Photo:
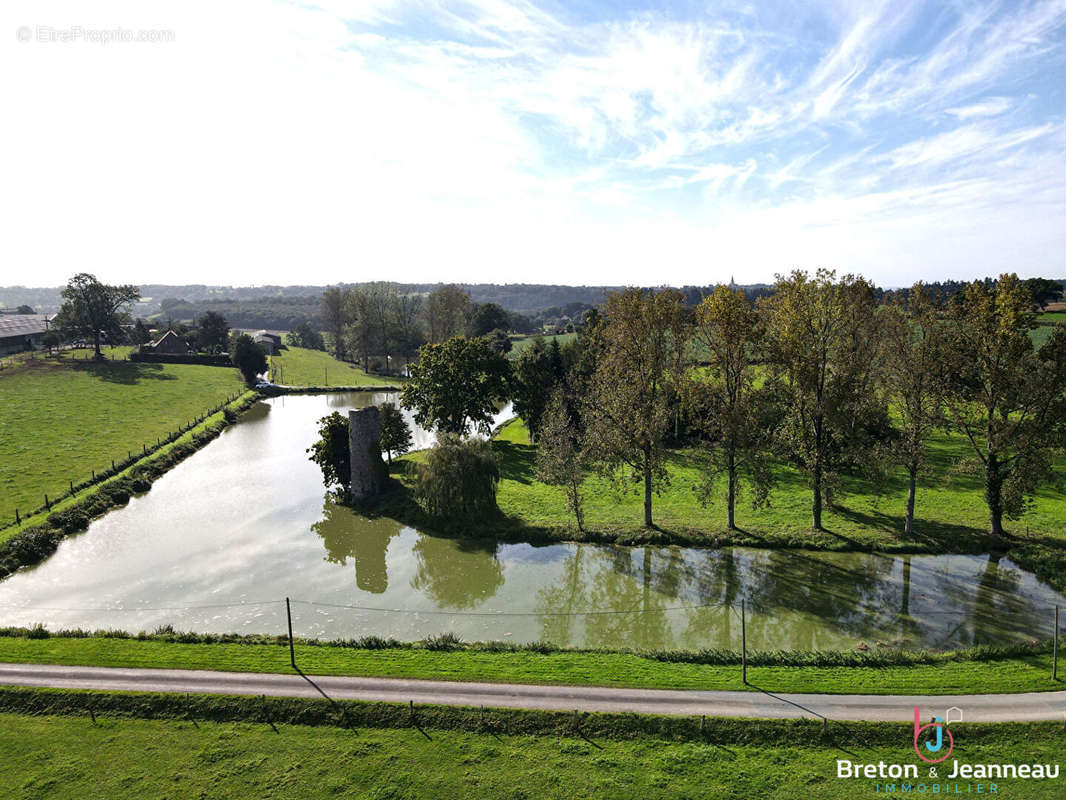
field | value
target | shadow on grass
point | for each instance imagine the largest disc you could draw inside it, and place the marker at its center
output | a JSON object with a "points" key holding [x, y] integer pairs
{"points": [[124, 372], [517, 461], [935, 536]]}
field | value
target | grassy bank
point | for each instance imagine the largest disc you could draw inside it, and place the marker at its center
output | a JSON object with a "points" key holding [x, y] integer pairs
{"points": [[927, 674], [60, 756], [63, 418], [299, 366], [950, 515]]}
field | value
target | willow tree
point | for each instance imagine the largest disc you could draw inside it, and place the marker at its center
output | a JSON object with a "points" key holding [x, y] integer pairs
{"points": [[913, 358], [822, 344], [1004, 395], [724, 402], [457, 479], [628, 399]]}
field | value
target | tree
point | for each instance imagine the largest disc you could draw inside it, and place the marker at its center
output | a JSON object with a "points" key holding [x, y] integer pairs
{"points": [[487, 317], [359, 325], [456, 384], [499, 341], [395, 432], [723, 400], [561, 458], [331, 451], [304, 335], [333, 316], [381, 308], [249, 358], [537, 371], [446, 313], [213, 332], [24, 309], [822, 345], [140, 334], [913, 358], [458, 479], [51, 340], [628, 400], [1043, 291], [409, 335], [1008, 399], [94, 310]]}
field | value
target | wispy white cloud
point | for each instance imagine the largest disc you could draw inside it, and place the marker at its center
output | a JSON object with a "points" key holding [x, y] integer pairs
{"points": [[433, 139], [989, 107]]}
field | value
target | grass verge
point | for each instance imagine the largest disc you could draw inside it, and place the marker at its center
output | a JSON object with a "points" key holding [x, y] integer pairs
{"points": [[1017, 670], [151, 746]]}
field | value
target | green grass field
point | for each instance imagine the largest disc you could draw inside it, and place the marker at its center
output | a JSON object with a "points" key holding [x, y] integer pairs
{"points": [[298, 366], [520, 343], [575, 668], [1045, 321], [950, 512], [61, 418], [64, 757]]}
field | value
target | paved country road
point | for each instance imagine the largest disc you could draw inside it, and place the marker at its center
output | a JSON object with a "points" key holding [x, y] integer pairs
{"points": [[900, 708]]}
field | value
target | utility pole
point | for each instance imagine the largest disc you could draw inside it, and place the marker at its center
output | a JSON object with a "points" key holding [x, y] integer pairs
{"points": [[743, 642], [1055, 648], [292, 649]]}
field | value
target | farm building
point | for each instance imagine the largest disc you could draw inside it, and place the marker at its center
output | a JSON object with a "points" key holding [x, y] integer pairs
{"points": [[20, 332], [170, 343], [270, 342]]}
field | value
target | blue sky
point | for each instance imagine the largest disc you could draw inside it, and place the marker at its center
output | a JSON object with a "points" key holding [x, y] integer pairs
{"points": [[498, 141]]}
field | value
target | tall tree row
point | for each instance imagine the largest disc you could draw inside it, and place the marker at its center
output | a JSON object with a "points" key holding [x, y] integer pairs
{"points": [[1007, 397], [823, 346], [628, 402], [723, 399]]}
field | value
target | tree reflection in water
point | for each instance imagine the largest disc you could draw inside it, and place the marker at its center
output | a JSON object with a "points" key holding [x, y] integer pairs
{"points": [[795, 599], [457, 573], [346, 535]]}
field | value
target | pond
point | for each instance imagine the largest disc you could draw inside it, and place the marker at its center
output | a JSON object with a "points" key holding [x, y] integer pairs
{"points": [[223, 538]]}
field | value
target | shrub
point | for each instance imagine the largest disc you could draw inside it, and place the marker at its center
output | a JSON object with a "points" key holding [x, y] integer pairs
{"points": [[331, 450], [442, 642], [69, 521], [375, 643], [38, 631], [458, 479], [249, 358], [32, 545]]}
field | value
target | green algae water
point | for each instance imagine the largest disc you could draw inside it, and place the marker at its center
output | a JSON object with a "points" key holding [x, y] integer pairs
{"points": [[223, 538]]}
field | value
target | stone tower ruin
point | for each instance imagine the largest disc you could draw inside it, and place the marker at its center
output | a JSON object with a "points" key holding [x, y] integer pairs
{"points": [[364, 444]]}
